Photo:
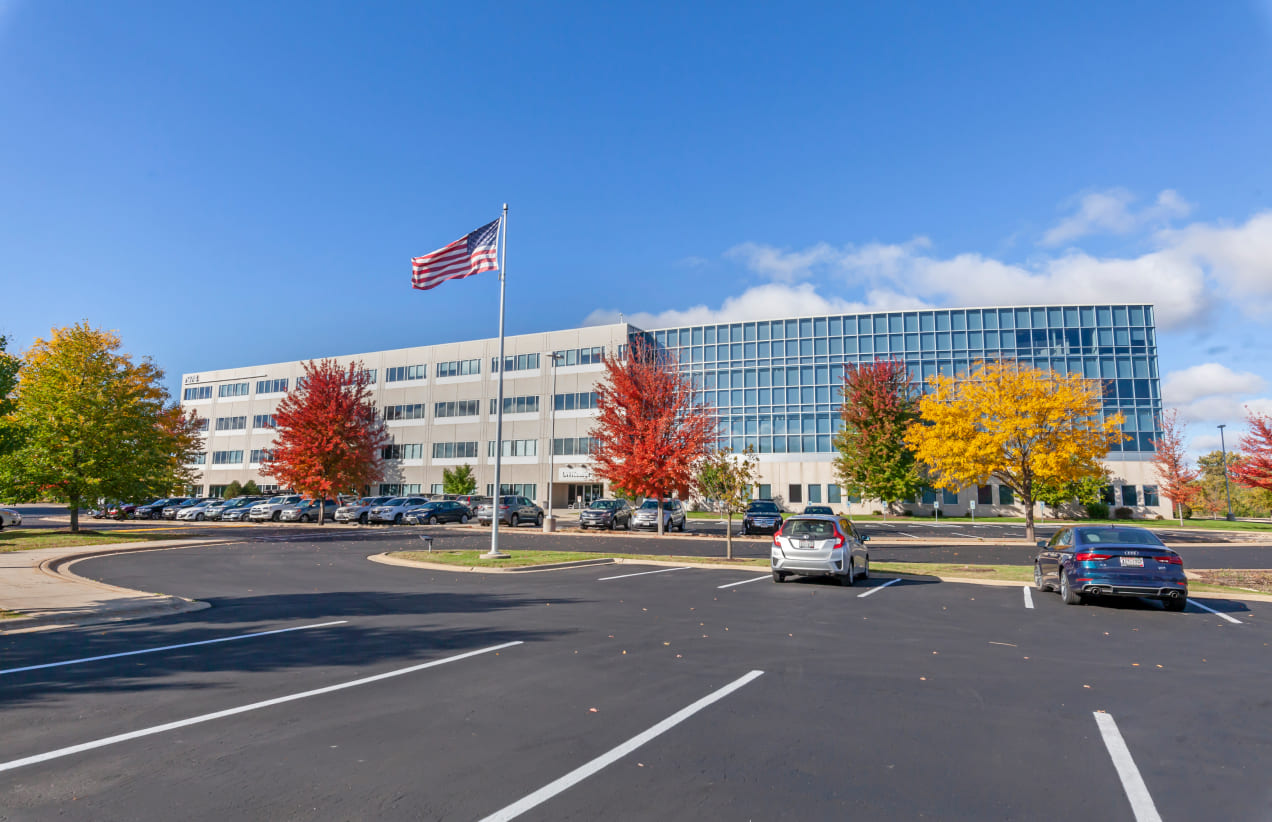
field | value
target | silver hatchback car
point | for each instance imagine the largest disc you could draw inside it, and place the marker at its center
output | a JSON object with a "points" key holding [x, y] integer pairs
{"points": [[819, 545]]}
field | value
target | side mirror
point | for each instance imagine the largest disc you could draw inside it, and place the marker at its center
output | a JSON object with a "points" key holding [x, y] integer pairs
{"points": [[1042, 543], [865, 538]]}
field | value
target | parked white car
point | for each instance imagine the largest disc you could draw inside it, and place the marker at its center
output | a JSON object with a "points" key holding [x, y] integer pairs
{"points": [[394, 509], [10, 517], [272, 508], [197, 512], [359, 511]]}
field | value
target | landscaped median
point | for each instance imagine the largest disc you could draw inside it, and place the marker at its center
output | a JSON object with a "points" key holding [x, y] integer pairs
{"points": [[31, 539], [1235, 584]]}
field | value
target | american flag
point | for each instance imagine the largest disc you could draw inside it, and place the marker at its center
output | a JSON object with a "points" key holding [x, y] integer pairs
{"points": [[472, 254]]}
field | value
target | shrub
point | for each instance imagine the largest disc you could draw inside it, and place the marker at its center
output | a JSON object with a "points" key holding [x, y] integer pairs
{"points": [[1188, 512], [1097, 510], [1123, 513]]}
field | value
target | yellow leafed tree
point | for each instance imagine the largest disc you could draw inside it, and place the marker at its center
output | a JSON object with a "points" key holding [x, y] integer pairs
{"points": [[1019, 424]]}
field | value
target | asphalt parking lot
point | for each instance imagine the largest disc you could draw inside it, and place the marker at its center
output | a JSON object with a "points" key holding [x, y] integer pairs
{"points": [[633, 692]]}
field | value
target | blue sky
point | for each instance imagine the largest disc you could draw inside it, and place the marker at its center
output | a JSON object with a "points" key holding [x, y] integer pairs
{"points": [[237, 183]]}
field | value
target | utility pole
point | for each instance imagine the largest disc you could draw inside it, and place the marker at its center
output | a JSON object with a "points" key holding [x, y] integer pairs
{"points": [[1223, 450], [549, 523]]}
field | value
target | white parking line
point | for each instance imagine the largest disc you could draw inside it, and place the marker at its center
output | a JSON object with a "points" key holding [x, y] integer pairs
{"points": [[1136, 791], [614, 754], [1233, 620], [195, 720], [643, 573], [742, 582], [1028, 597], [169, 647], [878, 588]]}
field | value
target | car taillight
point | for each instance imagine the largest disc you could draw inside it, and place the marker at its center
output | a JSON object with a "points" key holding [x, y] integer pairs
{"points": [[1089, 557], [777, 534], [1170, 560], [840, 542]]}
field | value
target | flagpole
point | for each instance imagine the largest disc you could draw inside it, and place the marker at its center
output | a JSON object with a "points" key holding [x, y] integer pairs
{"points": [[494, 518]]}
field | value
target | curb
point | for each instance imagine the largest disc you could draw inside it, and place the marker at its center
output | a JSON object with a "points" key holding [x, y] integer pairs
{"points": [[151, 604]]}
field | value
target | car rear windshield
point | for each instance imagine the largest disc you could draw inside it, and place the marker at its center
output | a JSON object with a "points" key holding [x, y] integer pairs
{"points": [[1114, 536], [604, 504], [762, 508], [652, 505], [809, 529]]}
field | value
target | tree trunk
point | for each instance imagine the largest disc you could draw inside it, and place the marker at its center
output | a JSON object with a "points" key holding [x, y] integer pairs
{"points": [[322, 510], [660, 515], [1181, 515], [728, 536], [1029, 516], [75, 501]]}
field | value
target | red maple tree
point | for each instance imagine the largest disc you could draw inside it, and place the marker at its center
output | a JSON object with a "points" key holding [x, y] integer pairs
{"points": [[1254, 469], [652, 429], [1176, 481], [328, 435]]}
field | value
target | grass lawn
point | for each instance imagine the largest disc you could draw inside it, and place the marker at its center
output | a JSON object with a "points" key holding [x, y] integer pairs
{"points": [[9, 614], [14, 539]]}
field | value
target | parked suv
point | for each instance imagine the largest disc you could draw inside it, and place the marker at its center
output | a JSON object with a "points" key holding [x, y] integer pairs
{"points": [[762, 516], [154, 508], [306, 511], [358, 510], [646, 516], [238, 510], [272, 508], [513, 511], [473, 501], [394, 509], [606, 513]]}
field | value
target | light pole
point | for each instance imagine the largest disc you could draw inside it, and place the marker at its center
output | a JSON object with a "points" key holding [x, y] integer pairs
{"points": [[1223, 451], [549, 522]]}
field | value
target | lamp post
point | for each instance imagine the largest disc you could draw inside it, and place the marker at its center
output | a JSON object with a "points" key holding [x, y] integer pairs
{"points": [[549, 522], [1223, 451]]}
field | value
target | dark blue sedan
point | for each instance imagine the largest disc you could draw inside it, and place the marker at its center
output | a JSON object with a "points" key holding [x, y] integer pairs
{"points": [[1093, 561]]}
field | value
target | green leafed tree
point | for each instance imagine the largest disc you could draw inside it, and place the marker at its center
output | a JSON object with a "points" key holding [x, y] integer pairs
{"points": [[250, 489], [234, 489], [726, 479], [94, 424], [874, 460], [1084, 490], [9, 366], [458, 480]]}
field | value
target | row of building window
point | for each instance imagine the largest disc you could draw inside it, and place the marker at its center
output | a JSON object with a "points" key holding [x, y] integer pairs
{"points": [[272, 386], [455, 450], [391, 489], [520, 489], [575, 402], [516, 405], [263, 421], [198, 392], [403, 373], [234, 389], [405, 451], [404, 412], [574, 446], [231, 423], [580, 356], [458, 368], [227, 457], [515, 448], [1103, 316], [518, 362], [459, 408]]}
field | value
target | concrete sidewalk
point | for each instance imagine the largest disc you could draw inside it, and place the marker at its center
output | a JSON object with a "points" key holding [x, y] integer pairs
{"points": [[40, 586]]}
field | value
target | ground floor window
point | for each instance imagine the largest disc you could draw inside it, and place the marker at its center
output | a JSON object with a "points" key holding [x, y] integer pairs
{"points": [[1150, 496], [588, 493], [1106, 495], [814, 493], [985, 495], [526, 490], [795, 494], [832, 494], [949, 497], [1129, 495], [765, 492], [398, 490], [1006, 496], [437, 488]]}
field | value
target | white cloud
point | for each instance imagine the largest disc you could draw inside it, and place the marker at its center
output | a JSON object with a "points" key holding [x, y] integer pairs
{"points": [[761, 302], [1239, 257], [780, 265], [1209, 380], [1109, 212]]}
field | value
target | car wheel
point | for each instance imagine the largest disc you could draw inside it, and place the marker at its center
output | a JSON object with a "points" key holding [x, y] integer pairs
{"points": [[847, 580], [745, 531], [683, 523], [538, 519], [1038, 583], [362, 518], [865, 569], [397, 519], [1175, 603], [277, 516], [1070, 596], [463, 519], [627, 526], [778, 576], [513, 520], [613, 526], [198, 518], [432, 520], [304, 518]]}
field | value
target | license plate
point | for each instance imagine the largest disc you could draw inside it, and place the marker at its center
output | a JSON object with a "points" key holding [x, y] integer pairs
{"points": [[1132, 562], [803, 544]]}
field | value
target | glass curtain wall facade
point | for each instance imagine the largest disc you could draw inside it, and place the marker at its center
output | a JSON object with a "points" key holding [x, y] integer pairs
{"points": [[775, 383]]}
